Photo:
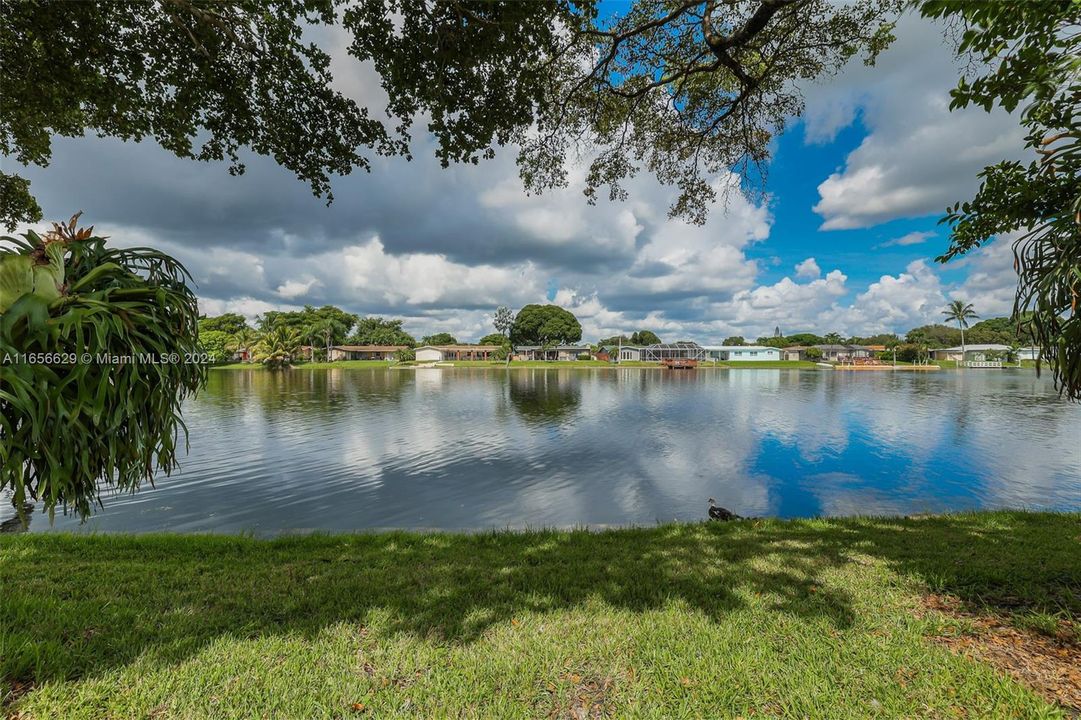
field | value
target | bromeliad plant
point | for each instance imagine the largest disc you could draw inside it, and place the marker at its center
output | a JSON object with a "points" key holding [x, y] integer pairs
{"points": [[99, 348]]}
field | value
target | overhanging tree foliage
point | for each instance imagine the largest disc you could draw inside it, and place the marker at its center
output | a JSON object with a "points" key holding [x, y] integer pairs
{"points": [[204, 79], [684, 89], [1029, 56], [99, 347]]}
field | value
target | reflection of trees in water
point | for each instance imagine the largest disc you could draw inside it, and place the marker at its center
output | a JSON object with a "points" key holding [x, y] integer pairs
{"points": [[544, 395], [20, 522], [322, 392]]}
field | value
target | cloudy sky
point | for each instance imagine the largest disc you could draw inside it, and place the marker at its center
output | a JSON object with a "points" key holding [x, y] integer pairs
{"points": [[845, 241]]}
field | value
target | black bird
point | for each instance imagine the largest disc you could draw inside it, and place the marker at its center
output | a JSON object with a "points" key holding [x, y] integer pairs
{"points": [[720, 513]]}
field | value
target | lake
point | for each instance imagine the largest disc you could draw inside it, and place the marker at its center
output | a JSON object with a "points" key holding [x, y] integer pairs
{"points": [[348, 449]]}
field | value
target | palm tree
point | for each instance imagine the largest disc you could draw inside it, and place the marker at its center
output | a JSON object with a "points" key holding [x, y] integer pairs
{"points": [[962, 312], [833, 338], [328, 328], [277, 347], [244, 340], [1014, 353]]}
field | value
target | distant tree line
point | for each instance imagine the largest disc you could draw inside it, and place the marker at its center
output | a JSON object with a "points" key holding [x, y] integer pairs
{"points": [[279, 336], [547, 325], [639, 337]]}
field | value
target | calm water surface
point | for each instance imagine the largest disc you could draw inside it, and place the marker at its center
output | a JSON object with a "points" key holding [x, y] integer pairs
{"points": [[470, 448]]}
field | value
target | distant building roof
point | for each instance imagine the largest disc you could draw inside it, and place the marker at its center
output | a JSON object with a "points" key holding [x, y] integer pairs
{"points": [[739, 347], [369, 348], [795, 347], [977, 347], [555, 347], [490, 348], [680, 345]]}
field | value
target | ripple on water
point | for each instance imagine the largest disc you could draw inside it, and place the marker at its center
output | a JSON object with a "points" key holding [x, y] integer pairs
{"points": [[344, 450]]}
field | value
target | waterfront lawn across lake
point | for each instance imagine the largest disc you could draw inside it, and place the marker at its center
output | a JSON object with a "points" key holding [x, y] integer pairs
{"points": [[808, 618], [519, 364], [360, 364]]}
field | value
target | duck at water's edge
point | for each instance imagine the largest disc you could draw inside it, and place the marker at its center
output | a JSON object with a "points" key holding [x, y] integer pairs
{"points": [[720, 513]]}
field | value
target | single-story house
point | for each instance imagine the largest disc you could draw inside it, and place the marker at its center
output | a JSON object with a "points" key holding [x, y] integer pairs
{"points": [[365, 352], [683, 350], [1028, 353], [557, 353], [628, 353], [843, 353], [973, 353], [606, 354], [741, 353], [794, 352], [440, 353]]}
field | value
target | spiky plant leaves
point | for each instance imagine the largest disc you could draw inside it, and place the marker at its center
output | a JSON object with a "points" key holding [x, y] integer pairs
{"points": [[97, 355]]}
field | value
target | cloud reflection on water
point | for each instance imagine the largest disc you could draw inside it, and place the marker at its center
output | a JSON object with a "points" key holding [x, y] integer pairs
{"points": [[467, 448]]}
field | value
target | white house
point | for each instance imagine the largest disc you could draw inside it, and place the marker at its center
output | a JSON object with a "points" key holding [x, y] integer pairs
{"points": [[365, 352], [973, 353], [742, 353], [439, 353], [629, 353]]}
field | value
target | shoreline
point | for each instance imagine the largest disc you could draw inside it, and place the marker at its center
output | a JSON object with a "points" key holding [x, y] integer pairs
{"points": [[597, 365], [904, 614]]}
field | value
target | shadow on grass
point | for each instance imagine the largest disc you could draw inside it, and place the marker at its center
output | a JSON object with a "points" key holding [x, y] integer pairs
{"points": [[74, 606]]}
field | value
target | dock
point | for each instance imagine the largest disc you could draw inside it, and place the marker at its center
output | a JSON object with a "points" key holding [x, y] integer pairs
{"points": [[679, 363]]}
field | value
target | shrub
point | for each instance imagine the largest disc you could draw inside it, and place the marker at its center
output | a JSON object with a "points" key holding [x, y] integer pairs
{"points": [[117, 350]]}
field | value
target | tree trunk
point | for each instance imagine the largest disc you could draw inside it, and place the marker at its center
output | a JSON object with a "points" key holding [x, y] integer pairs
{"points": [[962, 343]]}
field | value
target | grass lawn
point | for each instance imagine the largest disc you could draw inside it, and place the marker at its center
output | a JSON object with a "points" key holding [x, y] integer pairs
{"points": [[816, 618]]}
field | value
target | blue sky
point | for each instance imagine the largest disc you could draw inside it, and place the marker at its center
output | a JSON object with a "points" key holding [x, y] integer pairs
{"points": [[845, 242], [797, 169]]}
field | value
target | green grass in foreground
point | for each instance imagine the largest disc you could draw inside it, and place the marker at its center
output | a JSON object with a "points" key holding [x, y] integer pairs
{"points": [[812, 618]]}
